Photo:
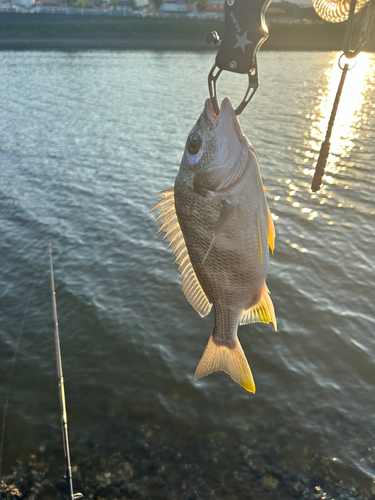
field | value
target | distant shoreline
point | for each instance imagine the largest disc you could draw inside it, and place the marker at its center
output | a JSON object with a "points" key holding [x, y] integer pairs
{"points": [[106, 43], [37, 32], [101, 43], [69, 43]]}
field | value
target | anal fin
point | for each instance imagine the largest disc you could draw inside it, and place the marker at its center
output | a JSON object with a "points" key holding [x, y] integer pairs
{"points": [[262, 312]]}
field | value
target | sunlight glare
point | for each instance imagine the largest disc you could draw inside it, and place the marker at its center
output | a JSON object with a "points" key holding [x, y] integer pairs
{"points": [[350, 113]]}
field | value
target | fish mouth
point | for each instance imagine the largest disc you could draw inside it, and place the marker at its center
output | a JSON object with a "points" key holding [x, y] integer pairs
{"points": [[211, 115], [210, 112], [226, 116]]}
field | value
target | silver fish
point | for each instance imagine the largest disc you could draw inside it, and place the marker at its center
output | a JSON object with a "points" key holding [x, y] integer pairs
{"points": [[220, 226]]}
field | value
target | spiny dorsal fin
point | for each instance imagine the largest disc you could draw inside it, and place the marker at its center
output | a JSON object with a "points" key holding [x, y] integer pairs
{"points": [[262, 312], [232, 361], [190, 284]]}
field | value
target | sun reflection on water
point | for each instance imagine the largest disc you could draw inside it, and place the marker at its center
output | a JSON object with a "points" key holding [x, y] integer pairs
{"points": [[350, 116], [349, 131]]}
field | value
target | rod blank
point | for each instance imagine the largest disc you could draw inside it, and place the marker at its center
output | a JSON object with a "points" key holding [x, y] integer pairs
{"points": [[60, 378]]}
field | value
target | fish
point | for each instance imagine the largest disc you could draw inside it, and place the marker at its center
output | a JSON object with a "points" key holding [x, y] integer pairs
{"points": [[218, 222]]}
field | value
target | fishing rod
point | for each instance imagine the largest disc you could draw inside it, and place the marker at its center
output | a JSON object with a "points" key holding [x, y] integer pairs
{"points": [[64, 420], [60, 378]]}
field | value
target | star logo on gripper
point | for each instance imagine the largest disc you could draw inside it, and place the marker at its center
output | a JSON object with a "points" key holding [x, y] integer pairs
{"points": [[242, 41]]}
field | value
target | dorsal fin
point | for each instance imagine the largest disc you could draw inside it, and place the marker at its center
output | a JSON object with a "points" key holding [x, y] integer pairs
{"points": [[190, 283], [262, 312]]}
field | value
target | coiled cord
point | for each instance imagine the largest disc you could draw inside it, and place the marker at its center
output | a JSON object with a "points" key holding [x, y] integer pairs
{"points": [[335, 11]]}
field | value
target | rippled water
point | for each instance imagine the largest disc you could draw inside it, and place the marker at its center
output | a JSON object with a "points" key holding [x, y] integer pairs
{"points": [[86, 140]]}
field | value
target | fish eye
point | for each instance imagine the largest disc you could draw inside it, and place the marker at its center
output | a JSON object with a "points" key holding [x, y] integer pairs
{"points": [[194, 143]]}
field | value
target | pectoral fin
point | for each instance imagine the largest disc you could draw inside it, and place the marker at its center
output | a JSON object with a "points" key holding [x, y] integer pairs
{"points": [[226, 215]]}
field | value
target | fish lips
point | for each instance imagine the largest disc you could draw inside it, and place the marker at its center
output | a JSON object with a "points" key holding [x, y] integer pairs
{"points": [[226, 120]]}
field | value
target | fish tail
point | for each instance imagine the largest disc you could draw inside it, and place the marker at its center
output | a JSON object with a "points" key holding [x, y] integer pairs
{"points": [[231, 360]]}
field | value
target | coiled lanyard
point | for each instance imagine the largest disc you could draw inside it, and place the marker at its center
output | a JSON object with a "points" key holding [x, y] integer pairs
{"points": [[349, 54], [244, 33]]}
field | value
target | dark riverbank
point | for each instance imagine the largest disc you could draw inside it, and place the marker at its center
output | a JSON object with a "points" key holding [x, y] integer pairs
{"points": [[159, 461], [61, 32]]}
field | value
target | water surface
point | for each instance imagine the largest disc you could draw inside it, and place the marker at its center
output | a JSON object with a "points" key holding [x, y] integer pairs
{"points": [[87, 139]]}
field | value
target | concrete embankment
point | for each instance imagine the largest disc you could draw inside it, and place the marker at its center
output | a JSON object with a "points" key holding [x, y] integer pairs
{"points": [[88, 32]]}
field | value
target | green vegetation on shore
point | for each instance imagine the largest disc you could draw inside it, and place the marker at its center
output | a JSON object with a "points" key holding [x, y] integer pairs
{"points": [[163, 34]]}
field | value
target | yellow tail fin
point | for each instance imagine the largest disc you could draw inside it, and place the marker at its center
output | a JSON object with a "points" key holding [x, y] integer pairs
{"points": [[232, 361]]}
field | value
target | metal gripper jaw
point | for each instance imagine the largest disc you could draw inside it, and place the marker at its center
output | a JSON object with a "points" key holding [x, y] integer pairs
{"points": [[244, 32]]}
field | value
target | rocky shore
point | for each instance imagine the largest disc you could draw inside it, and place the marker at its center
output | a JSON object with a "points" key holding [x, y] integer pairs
{"points": [[156, 462]]}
